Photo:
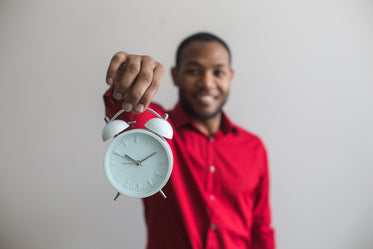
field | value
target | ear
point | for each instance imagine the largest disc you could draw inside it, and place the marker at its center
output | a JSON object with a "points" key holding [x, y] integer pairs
{"points": [[174, 75], [232, 74]]}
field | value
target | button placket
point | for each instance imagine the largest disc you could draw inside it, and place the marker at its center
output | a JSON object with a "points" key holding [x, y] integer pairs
{"points": [[210, 194], [212, 169]]}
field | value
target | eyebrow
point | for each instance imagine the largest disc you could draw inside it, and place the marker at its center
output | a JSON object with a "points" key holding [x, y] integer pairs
{"points": [[196, 63]]}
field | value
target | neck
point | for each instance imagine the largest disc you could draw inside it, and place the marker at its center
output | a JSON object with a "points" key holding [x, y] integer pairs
{"points": [[210, 126]]}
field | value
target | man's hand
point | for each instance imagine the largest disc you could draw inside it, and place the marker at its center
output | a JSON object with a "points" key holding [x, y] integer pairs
{"points": [[136, 79]]}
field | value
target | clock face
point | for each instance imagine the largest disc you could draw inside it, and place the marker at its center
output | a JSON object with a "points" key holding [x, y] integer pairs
{"points": [[138, 163]]}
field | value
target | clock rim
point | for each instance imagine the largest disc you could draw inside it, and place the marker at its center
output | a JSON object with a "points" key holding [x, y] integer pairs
{"points": [[109, 151]]}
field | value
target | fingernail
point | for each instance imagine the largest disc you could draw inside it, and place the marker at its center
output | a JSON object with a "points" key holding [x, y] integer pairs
{"points": [[128, 107], [118, 96], [139, 107], [110, 81]]}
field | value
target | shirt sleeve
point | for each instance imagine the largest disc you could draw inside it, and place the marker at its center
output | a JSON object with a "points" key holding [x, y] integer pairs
{"points": [[262, 232]]}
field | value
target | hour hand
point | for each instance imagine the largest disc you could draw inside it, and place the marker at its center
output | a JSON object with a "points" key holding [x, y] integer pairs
{"points": [[128, 157], [135, 161]]}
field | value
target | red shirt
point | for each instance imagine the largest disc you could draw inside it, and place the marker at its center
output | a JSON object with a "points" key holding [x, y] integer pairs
{"points": [[218, 192]]}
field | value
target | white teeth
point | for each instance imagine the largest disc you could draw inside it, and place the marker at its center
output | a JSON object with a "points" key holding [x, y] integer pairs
{"points": [[206, 98]]}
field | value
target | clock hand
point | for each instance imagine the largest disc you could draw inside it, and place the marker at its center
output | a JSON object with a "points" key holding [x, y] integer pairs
{"points": [[148, 157], [124, 157], [135, 161]]}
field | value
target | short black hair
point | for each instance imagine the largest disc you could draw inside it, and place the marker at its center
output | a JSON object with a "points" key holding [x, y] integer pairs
{"points": [[203, 37]]}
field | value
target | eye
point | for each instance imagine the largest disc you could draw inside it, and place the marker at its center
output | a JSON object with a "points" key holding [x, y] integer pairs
{"points": [[219, 73], [193, 71]]}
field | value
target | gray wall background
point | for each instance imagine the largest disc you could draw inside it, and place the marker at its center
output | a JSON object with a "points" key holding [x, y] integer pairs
{"points": [[303, 83]]}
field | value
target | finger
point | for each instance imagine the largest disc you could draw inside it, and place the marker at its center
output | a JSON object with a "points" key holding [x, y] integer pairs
{"points": [[116, 61], [152, 88], [129, 72], [141, 84]]}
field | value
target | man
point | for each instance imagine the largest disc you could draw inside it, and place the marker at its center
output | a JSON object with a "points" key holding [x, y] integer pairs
{"points": [[218, 193]]}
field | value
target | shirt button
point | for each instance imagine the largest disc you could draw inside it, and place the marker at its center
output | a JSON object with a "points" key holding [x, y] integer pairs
{"points": [[212, 197], [214, 226], [211, 139], [212, 169]]}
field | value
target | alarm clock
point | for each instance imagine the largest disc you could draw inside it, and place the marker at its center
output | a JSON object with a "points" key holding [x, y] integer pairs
{"points": [[138, 162]]}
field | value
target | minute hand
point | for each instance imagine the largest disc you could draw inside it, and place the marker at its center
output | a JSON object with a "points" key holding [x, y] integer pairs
{"points": [[148, 157]]}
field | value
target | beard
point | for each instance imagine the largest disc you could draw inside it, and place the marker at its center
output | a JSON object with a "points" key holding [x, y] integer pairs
{"points": [[193, 112]]}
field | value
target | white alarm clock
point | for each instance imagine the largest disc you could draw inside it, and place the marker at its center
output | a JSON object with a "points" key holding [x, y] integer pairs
{"points": [[138, 162]]}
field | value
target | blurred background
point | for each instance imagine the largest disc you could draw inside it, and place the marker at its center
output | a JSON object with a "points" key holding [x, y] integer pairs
{"points": [[304, 83]]}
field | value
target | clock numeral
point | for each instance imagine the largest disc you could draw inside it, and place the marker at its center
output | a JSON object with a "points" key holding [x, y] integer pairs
{"points": [[124, 143], [148, 142], [150, 183], [125, 183], [160, 172], [138, 187]]}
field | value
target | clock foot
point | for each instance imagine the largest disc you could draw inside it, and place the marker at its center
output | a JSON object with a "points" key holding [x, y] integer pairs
{"points": [[116, 197], [164, 196]]}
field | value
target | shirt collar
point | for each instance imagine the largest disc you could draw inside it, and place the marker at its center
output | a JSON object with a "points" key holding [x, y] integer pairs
{"points": [[180, 118]]}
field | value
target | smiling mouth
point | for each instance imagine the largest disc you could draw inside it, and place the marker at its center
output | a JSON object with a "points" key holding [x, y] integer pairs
{"points": [[206, 99]]}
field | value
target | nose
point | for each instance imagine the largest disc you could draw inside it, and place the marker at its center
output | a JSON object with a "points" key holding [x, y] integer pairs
{"points": [[207, 79]]}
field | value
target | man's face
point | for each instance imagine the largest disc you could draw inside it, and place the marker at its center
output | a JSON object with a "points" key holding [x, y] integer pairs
{"points": [[203, 77]]}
